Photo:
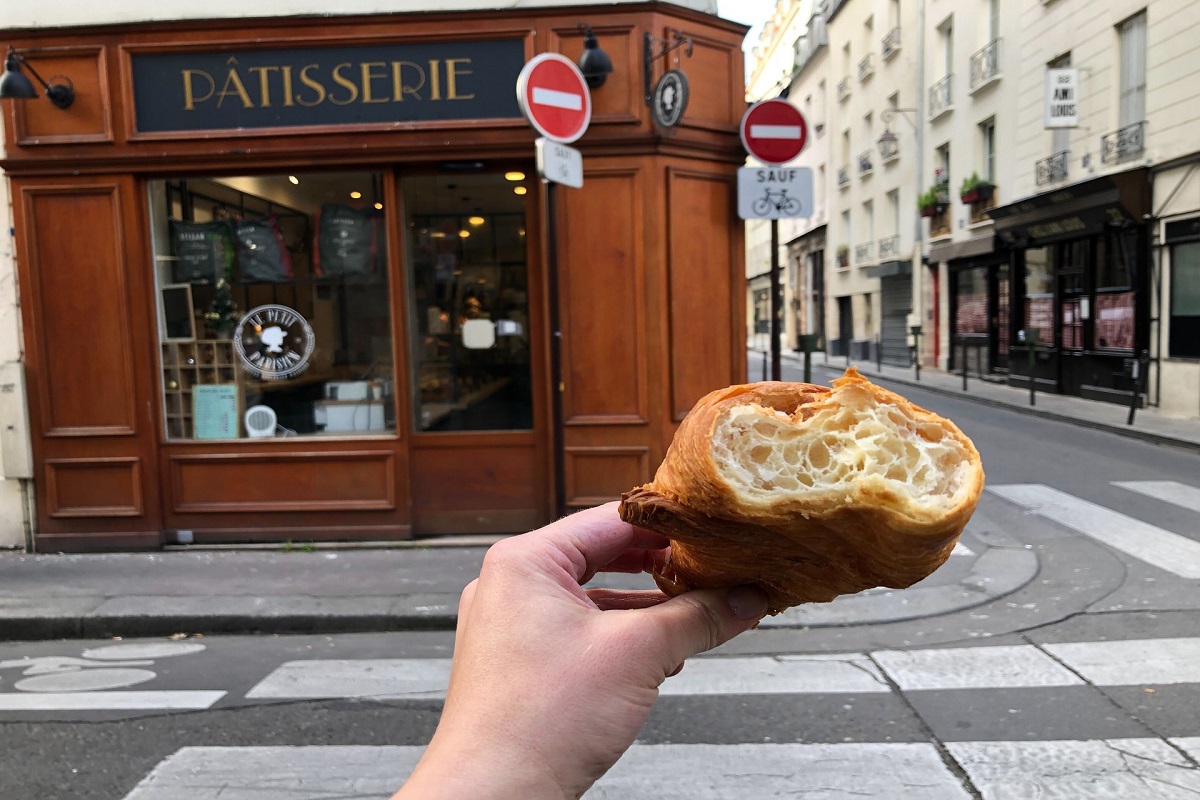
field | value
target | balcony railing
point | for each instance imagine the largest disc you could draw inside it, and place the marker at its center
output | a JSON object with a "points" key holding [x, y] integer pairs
{"points": [[891, 43], [865, 167], [862, 253], [866, 68], [940, 97], [985, 65], [1122, 145], [843, 177], [1053, 169], [843, 88], [889, 248]]}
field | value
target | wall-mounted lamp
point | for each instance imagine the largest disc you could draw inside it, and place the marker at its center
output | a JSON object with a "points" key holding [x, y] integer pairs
{"points": [[889, 143], [594, 63], [14, 84], [650, 43]]}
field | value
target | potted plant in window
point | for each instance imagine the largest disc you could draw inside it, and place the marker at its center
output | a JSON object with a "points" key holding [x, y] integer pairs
{"points": [[223, 313], [843, 255], [975, 189]]}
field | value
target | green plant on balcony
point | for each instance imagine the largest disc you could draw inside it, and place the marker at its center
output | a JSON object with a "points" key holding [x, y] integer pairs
{"points": [[843, 255], [935, 200], [975, 189]]}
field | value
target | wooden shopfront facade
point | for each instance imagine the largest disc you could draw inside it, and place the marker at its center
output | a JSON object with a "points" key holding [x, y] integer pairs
{"points": [[287, 279]]}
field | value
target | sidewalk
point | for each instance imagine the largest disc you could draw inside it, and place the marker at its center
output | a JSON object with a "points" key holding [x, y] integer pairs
{"points": [[1149, 425]]}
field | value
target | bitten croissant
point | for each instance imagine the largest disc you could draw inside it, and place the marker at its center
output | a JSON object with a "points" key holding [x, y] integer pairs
{"points": [[808, 492]]}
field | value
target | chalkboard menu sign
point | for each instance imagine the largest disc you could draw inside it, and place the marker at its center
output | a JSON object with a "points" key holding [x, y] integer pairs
{"points": [[204, 251], [346, 241]]}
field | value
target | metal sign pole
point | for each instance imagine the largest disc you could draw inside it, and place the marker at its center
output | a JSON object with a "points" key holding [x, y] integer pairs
{"points": [[557, 386], [776, 304]]}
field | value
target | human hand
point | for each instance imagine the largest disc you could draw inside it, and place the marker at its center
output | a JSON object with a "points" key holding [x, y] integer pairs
{"points": [[550, 682]]}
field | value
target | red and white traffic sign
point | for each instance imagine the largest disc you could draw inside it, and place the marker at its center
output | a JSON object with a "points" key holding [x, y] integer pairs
{"points": [[554, 97], [774, 131]]}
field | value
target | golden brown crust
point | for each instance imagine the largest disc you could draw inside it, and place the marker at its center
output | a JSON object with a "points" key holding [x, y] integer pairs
{"points": [[807, 547]]}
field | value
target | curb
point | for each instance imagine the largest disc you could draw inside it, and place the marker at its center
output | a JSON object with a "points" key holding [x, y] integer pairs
{"points": [[1034, 411]]}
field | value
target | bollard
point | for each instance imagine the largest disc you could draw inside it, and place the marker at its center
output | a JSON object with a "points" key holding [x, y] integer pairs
{"points": [[766, 363], [1031, 340], [879, 353], [915, 332], [964, 365], [807, 340], [1141, 367]]}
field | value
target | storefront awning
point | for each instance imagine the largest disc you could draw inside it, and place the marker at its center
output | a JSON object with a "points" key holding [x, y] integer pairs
{"points": [[1081, 209], [970, 248], [889, 269]]}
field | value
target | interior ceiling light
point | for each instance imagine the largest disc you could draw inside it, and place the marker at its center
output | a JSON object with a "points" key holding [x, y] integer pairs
{"points": [[379, 206], [476, 221], [295, 181], [464, 234], [355, 195], [520, 190], [514, 176]]}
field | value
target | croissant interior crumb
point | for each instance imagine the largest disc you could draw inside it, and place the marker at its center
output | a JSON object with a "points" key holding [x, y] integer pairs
{"points": [[763, 452]]}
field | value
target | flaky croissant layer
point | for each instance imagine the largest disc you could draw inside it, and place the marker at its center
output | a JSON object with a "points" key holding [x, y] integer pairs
{"points": [[809, 492]]}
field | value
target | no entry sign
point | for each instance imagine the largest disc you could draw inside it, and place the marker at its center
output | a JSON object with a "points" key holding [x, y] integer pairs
{"points": [[554, 97], [774, 131]]}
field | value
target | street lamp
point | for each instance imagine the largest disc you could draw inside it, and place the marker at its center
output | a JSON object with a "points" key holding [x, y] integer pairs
{"points": [[889, 143]]}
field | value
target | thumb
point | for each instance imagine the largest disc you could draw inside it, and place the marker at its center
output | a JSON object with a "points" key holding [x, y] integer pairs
{"points": [[702, 619]]}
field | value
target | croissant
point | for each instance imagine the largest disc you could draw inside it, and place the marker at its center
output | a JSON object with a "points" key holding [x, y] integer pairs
{"points": [[808, 492]]}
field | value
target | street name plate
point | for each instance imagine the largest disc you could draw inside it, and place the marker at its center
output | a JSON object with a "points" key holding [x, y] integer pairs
{"points": [[775, 192], [559, 163]]}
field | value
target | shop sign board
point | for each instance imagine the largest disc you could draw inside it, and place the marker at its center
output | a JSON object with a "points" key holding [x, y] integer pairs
{"points": [[331, 85], [1062, 98], [774, 131], [775, 192], [554, 97], [559, 163]]}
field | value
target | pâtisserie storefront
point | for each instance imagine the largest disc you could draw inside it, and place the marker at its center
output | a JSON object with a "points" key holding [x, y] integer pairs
{"points": [[290, 279]]}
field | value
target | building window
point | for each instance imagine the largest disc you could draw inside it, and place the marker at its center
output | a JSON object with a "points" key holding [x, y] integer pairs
{"points": [[942, 170], [987, 137], [762, 310], [1132, 34], [274, 306], [1185, 300], [1039, 294]]}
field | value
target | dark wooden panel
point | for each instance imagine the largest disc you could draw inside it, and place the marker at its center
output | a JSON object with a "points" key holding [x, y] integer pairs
{"points": [[714, 103], [473, 478], [702, 285], [88, 119], [314, 481], [79, 310], [597, 475], [93, 487], [602, 300], [620, 99]]}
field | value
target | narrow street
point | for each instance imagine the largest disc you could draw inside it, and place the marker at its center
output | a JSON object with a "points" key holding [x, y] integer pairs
{"points": [[1057, 653]]}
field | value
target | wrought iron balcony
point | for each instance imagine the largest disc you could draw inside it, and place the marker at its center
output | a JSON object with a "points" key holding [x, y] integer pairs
{"points": [[889, 248], [985, 65], [1053, 169], [941, 97], [891, 43], [862, 253], [866, 68], [843, 88], [843, 177], [1122, 145], [865, 167]]}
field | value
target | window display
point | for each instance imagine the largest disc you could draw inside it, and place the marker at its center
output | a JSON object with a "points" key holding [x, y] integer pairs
{"points": [[1039, 293], [287, 298], [469, 302]]}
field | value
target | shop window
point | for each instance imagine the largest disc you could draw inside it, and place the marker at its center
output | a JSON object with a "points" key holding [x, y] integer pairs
{"points": [[1115, 263], [1039, 293], [971, 296], [469, 302], [274, 309], [1185, 300]]}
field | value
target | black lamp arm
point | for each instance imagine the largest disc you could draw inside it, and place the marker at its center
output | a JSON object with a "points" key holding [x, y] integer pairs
{"points": [[60, 94], [650, 42]]}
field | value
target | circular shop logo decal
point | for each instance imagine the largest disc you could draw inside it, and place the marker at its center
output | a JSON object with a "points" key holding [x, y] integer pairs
{"points": [[670, 98], [274, 342]]}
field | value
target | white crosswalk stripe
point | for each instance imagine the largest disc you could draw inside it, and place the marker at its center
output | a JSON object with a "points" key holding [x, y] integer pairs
{"points": [[1173, 492], [1168, 551], [1114, 769]]}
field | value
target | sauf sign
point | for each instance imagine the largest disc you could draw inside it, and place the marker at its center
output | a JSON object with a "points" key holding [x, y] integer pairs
{"points": [[1062, 98], [314, 86]]}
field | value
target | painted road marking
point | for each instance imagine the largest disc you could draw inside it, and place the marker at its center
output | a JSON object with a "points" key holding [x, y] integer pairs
{"points": [[645, 772], [557, 99], [807, 674], [961, 549], [1173, 492], [1168, 551], [1008, 667], [395, 678], [1145, 661], [775, 131], [109, 701], [1113, 769]]}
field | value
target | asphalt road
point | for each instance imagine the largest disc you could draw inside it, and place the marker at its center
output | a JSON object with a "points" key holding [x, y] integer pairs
{"points": [[1078, 680]]}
